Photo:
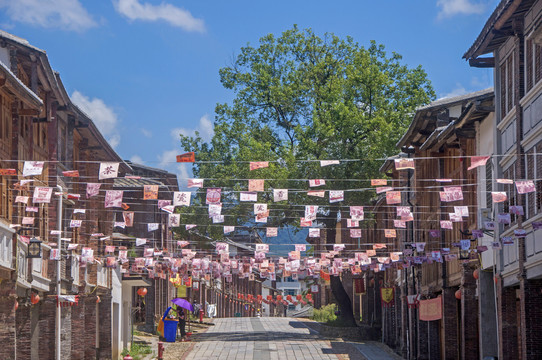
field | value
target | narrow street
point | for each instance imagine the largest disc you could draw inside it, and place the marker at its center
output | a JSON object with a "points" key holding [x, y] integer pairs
{"points": [[275, 338]]}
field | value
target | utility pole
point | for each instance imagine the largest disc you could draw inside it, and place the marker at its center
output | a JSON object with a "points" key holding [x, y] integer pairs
{"points": [[58, 276]]}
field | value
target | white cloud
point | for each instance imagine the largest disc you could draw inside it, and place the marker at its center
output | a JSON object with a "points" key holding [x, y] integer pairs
{"points": [[63, 14], [204, 127], [457, 91], [175, 16], [146, 133], [449, 8], [103, 116], [183, 172], [137, 159], [168, 158]]}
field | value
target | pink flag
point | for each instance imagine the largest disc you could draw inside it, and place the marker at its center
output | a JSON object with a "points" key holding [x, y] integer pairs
{"points": [[305, 223], [213, 196], [314, 232], [42, 195], [390, 233], [379, 182], [316, 182], [393, 197], [355, 233], [93, 189], [128, 218], [280, 195], [505, 181], [255, 185], [271, 232], [446, 224], [352, 223], [336, 196], [195, 183], [357, 213], [399, 224], [113, 198], [329, 162], [258, 165], [382, 189], [248, 196], [310, 212], [498, 196], [317, 193], [525, 187], [476, 161]]}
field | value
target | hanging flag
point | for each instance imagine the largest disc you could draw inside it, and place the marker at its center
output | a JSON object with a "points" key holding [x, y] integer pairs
{"points": [[93, 189], [317, 193], [379, 182], [32, 168], [108, 170], [271, 231], [262, 218], [190, 226], [399, 224], [280, 194], [71, 173], [357, 213], [476, 161], [215, 210], [336, 196], [390, 233], [316, 182], [314, 232], [446, 224], [248, 196], [213, 196], [310, 212], [8, 172], [255, 185], [505, 181], [352, 223], [499, 196], [162, 203], [260, 209], [128, 218], [393, 197], [150, 192], [34, 209], [300, 247], [525, 187], [258, 165], [305, 223], [195, 183], [42, 195], [355, 233], [174, 220], [120, 224], [27, 220], [182, 198], [188, 157], [430, 310], [140, 241], [462, 211], [329, 162], [403, 164], [218, 219], [152, 226], [75, 223], [113, 198], [516, 210], [21, 199], [228, 229]]}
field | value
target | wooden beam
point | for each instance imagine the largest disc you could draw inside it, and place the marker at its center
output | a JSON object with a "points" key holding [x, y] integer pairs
{"points": [[485, 62], [28, 112]]}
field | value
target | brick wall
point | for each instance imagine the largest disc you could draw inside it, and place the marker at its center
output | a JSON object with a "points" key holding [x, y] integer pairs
{"points": [[89, 334], [7, 319], [23, 332], [450, 324], [104, 349], [469, 314], [531, 318], [78, 328], [46, 325], [507, 312]]}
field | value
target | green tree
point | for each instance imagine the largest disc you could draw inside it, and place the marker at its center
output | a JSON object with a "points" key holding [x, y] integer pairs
{"points": [[300, 98]]}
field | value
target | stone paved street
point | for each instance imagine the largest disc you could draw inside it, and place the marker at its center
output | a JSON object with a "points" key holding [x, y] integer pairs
{"points": [[269, 339]]}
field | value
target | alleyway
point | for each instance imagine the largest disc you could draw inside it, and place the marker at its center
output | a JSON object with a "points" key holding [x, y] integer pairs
{"points": [[276, 338]]}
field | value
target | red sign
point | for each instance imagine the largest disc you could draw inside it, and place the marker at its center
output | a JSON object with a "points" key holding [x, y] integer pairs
{"points": [[187, 157]]}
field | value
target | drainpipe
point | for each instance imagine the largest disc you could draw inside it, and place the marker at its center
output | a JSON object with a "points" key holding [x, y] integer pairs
{"points": [[58, 310]]}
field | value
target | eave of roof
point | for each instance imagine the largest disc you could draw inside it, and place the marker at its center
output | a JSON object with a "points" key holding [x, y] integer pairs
{"points": [[26, 95], [488, 40]]}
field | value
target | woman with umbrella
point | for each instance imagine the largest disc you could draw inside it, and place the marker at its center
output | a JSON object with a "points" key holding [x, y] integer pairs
{"points": [[182, 324]]}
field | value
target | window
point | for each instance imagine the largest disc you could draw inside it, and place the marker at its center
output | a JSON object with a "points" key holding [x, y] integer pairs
{"points": [[533, 64], [507, 84]]}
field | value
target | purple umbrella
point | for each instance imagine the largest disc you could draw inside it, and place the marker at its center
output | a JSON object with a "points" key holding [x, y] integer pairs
{"points": [[183, 303]]}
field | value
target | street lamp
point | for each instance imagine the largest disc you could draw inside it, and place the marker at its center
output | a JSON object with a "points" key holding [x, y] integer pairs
{"points": [[34, 248]]}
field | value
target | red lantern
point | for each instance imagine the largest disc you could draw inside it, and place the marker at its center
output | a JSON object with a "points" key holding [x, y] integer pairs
{"points": [[259, 297], [34, 298], [98, 300], [458, 294], [16, 306], [476, 274], [142, 291], [309, 296], [289, 298], [279, 297], [269, 297]]}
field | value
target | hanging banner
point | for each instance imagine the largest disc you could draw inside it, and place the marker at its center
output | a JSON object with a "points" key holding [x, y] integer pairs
{"points": [[336, 196], [255, 185], [188, 157], [182, 198], [93, 189], [42, 195], [195, 183], [431, 310], [113, 198], [329, 162], [357, 213], [213, 196], [393, 197], [316, 182], [108, 170], [150, 192], [477, 161], [387, 296], [248, 196], [317, 193], [258, 165], [359, 286], [271, 232], [128, 218], [32, 168], [280, 195], [379, 182]]}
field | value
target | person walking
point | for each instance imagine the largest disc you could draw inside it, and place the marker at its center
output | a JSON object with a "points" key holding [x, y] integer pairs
{"points": [[182, 324]]}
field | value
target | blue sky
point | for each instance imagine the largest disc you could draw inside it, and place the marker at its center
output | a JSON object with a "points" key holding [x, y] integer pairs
{"points": [[146, 70]]}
